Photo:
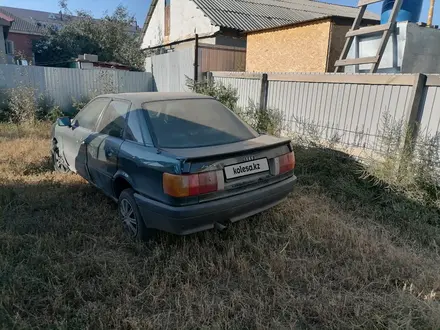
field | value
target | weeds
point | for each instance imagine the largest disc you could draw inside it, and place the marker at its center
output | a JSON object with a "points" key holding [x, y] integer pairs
{"points": [[25, 105], [226, 95], [22, 105], [78, 104], [268, 121], [410, 167]]}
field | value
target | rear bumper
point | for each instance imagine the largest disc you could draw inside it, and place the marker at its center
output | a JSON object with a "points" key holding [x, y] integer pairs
{"points": [[195, 218]]}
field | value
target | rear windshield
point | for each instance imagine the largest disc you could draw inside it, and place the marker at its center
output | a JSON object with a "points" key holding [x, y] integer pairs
{"points": [[192, 123]]}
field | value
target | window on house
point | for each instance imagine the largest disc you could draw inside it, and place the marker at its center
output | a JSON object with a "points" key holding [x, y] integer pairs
{"points": [[167, 18], [10, 50]]}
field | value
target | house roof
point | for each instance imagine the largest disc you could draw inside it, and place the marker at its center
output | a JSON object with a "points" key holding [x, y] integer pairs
{"points": [[250, 15], [21, 25], [35, 21], [6, 18]]}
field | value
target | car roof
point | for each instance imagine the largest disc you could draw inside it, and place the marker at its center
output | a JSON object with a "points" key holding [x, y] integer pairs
{"points": [[138, 99]]}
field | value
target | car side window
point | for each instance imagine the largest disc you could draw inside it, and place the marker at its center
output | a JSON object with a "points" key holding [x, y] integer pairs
{"points": [[113, 120], [133, 131], [89, 116]]}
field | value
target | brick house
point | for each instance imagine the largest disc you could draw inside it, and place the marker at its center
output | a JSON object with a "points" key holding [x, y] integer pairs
{"points": [[21, 35], [313, 45], [30, 25], [5, 25]]}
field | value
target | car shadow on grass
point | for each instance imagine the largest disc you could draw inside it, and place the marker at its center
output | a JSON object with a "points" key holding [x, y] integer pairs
{"points": [[339, 176], [64, 205], [56, 207]]}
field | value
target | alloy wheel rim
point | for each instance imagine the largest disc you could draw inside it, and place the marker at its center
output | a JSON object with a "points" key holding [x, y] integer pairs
{"points": [[59, 162], [128, 217]]}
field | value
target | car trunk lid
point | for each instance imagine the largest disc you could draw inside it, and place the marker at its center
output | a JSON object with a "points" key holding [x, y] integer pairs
{"points": [[243, 166]]}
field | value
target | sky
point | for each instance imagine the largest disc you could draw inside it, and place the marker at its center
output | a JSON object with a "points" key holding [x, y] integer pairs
{"points": [[139, 8]]}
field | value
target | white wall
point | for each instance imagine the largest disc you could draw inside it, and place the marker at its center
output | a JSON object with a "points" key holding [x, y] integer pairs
{"points": [[186, 21], [422, 52], [155, 31], [413, 49]]}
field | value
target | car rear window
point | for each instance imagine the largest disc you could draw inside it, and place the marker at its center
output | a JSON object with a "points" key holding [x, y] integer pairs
{"points": [[192, 123]]}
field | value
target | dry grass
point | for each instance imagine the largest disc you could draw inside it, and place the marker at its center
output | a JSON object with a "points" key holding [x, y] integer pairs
{"points": [[319, 260]]}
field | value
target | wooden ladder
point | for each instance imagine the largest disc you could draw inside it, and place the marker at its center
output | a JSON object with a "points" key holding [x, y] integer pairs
{"points": [[355, 31]]}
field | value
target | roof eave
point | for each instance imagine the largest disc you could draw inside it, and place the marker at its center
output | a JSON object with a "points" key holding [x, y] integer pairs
{"points": [[26, 32], [149, 15], [303, 22]]}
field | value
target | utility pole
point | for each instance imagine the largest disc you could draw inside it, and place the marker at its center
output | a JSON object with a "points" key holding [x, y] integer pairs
{"points": [[196, 59], [431, 12]]}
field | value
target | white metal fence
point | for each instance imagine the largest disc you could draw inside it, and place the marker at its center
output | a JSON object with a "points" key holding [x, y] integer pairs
{"points": [[354, 110], [171, 70], [63, 84]]}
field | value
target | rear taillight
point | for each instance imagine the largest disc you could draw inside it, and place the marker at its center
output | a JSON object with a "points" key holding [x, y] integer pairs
{"points": [[193, 184], [284, 163], [287, 162]]}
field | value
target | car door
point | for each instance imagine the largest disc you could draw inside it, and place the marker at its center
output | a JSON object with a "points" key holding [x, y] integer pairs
{"points": [[81, 132], [103, 150]]}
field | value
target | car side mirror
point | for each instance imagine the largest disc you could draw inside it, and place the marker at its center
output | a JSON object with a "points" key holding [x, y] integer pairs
{"points": [[64, 122]]}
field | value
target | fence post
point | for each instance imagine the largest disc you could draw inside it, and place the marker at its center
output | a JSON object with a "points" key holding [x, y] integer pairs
{"points": [[415, 112], [263, 92], [196, 59], [209, 77]]}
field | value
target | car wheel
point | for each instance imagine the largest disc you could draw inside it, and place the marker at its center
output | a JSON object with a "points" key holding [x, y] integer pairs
{"points": [[59, 162], [131, 218]]}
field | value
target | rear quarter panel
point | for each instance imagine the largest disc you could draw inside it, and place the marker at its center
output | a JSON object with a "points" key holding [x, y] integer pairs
{"points": [[145, 166]]}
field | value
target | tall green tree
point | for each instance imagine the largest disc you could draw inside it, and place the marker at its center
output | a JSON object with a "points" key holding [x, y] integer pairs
{"points": [[111, 38]]}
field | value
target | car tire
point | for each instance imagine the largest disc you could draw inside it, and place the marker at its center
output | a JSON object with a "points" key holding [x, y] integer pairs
{"points": [[131, 218], [59, 162]]}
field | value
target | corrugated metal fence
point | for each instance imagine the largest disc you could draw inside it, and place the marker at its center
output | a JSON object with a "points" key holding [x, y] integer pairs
{"points": [[248, 86], [355, 110], [430, 121], [171, 70], [64, 84]]}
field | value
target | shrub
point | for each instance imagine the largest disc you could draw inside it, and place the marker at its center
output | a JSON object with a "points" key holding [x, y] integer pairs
{"points": [[269, 120], [226, 95], [5, 111], [22, 105], [55, 113], [412, 169], [45, 105], [78, 104]]}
